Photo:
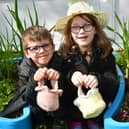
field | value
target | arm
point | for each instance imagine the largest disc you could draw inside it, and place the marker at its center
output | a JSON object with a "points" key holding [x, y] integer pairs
{"points": [[26, 82], [107, 77]]}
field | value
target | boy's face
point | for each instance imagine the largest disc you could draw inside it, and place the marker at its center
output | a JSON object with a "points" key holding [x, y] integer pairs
{"points": [[40, 52]]}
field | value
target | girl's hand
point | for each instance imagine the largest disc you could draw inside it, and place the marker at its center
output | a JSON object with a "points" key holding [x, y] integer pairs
{"points": [[77, 79], [90, 81]]}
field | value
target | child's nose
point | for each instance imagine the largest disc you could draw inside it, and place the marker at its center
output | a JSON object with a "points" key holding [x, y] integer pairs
{"points": [[41, 50]]}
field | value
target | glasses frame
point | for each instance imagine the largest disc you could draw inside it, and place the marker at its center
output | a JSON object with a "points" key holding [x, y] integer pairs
{"points": [[86, 27], [36, 49]]}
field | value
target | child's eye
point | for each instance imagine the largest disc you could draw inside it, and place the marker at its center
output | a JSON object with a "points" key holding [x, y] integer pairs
{"points": [[35, 48]]}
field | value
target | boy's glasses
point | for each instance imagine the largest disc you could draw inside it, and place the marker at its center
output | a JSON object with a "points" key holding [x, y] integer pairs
{"points": [[85, 27], [37, 49]]}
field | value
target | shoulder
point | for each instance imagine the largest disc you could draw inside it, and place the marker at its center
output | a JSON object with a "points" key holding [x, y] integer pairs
{"points": [[57, 55], [75, 58], [110, 55], [26, 62], [26, 66]]}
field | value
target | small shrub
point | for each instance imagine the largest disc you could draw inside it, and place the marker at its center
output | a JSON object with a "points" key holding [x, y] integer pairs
{"points": [[7, 91]]}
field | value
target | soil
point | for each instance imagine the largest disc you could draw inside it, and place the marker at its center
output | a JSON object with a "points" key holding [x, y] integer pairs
{"points": [[15, 115], [123, 115]]}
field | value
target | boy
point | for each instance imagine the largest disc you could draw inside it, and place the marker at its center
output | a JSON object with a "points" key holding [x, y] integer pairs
{"points": [[40, 65]]}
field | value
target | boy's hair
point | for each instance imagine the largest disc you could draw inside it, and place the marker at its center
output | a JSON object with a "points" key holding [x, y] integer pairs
{"points": [[35, 33]]}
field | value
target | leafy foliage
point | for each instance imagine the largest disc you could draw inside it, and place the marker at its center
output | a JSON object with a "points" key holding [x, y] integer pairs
{"points": [[8, 78], [7, 92], [20, 25], [123, 59]]}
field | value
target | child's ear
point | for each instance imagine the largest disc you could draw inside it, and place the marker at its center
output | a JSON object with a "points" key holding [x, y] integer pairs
{"points": [[26, 54]]}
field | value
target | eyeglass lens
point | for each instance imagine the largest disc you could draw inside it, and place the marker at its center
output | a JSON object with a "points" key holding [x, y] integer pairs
{"points": [[37, 49], [85, 27]]}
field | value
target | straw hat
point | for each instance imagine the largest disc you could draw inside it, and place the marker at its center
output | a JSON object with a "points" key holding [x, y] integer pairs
{"points": [[81, 7]]}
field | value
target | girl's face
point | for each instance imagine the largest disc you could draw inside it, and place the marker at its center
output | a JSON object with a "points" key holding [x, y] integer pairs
{"points": [[82, 32], [40, 52]]}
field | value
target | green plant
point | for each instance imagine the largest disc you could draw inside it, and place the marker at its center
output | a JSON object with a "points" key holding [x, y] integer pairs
{"points": [[123, 34], [7, 53], [20, 25], [8, 76], [7, 90], [8, 69]]}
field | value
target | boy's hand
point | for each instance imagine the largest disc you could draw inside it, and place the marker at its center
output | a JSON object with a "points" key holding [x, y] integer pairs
{"points": [[45, 73], [52, 74], [40, 74]]}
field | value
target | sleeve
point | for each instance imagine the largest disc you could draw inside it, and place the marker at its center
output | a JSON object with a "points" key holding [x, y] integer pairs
{"points": [[107, 77], [75, 63], [26, 82]]}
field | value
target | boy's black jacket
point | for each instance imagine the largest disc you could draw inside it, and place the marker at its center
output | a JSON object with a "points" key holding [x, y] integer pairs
{"points": [[26, 94]]}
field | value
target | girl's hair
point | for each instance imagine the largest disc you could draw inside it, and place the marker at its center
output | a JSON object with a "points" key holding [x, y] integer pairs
{"points": [[35, 33], [100, 39]]}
